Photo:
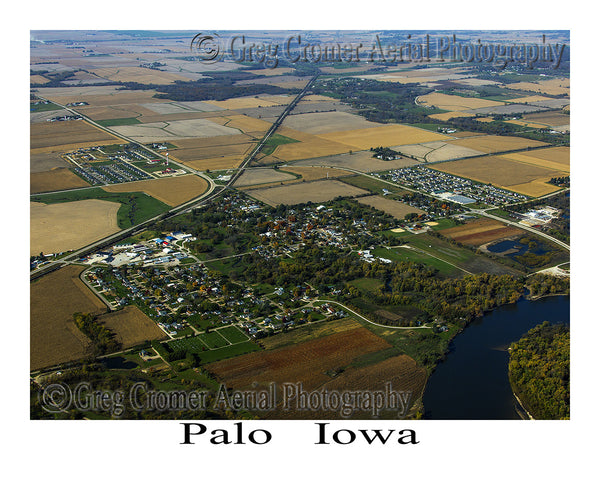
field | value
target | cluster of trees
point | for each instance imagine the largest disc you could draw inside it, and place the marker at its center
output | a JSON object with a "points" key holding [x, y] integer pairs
{"points": [[561, 181], [220, 86], [539, 371], [542, 284], [103, 339], [385, 153]]}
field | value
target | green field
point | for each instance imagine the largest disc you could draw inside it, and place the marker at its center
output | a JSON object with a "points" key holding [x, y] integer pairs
{"points": [[233, 334], [136, 207], [372, 184], [213, 339], [404, 254], [117, 122], [367, 284], [43, 107], [274, 141], [197, 346]]}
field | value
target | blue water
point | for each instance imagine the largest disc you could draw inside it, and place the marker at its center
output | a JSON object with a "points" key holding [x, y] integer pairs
{"points": [[472, 383]]}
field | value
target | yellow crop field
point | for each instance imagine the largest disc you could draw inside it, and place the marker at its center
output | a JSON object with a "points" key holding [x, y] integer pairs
{"points": [[385, 136], [448, 115], [454, 102], [503, 172], [529, 99], [496, 143], [37, 79], [66, 226], [525, 123], [309, 146], [557, 158], [187, 155], [139, 75], [550, 119], [556, 86], [170, 190], [123, 97], [66, 134]]}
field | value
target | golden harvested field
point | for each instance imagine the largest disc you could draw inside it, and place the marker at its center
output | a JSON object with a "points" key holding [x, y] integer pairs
{"points": [[309, 146], [131, 326], [49, 135], [139, 75], [448, 115], [220, 141], [551, 119], [296, 84], [555, 158], [502, 172], [529, 99], [495, 143], [454, 102], [525, 123], [556, 86], [436, 151], [37, 79], [250, 102], [57, 179], [394, 208], [170, 190], [216, 163], [480, 231], [121, 97], [308, 174], [467, 134], [385, 136], [67, 226], [318, 191], [54, 298], [318, 98], [306, 362]]}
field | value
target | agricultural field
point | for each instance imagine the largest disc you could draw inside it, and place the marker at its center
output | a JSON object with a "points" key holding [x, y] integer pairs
{"points": [[251, 102], [502, 172], [257, 176], [554, 158], [318, 191], [243, 123], [455, 103], [327, 122], [167, 131], [308, 146], [480, 231], [170, 190], [361, 161], [555, 86], [396, 209], [306, 362], [56, 179], [131, 326], [66, 226], [54, 298], [42, 162], [139, 75], [444, 117], [385, 136], [98, 96], [64, 136], [495, 144], [436, 151], [549, 119]]}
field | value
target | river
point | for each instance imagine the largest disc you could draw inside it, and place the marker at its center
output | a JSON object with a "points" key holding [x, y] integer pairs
{"points": [[472, 383]]}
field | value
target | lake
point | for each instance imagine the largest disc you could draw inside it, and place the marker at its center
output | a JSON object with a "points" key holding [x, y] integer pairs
{"points": [[472, 383]]}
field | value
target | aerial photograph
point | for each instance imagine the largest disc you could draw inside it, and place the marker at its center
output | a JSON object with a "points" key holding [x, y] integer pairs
{"points": [[299, 225]]}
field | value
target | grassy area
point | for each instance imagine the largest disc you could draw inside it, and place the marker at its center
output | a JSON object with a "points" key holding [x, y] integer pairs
{"points": [[274, 141], [195, 345], [372, 184], [444, 223], [367, 284], [213, 339], [43, 107], [117, 122], [136, 207], [404, 254], [233, 334]]}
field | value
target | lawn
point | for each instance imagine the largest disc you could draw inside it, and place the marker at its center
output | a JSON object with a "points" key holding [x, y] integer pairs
{"points": [[213, 339], [404, 254], [233, 334]]}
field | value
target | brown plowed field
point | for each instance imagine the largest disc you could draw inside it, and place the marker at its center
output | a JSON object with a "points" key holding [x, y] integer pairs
{"points": [[57, 179], [131, 326], [65, 134], [306, 362], [54, 299], [480, 231]]}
